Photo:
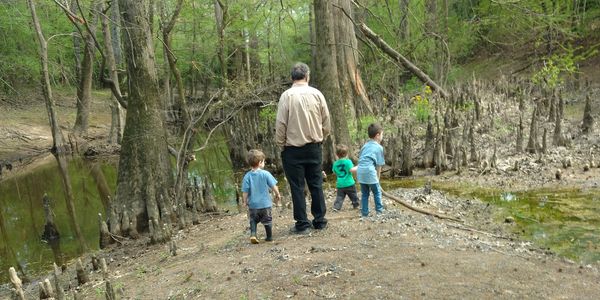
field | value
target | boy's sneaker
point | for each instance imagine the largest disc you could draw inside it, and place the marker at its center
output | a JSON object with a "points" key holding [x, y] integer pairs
{"points": [[253, 240], [355, 206], [269, 239], [335, 210]]}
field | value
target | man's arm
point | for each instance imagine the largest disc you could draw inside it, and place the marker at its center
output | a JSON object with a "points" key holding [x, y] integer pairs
{"points": [[281, 121], [325, 119]]}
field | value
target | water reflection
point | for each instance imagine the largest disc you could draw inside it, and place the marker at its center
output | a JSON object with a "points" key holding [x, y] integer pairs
{"points": [[22, 217]]}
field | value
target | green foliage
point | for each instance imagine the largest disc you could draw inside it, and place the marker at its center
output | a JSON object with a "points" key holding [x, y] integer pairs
{"points": [[362, 124], [268, 114], [557, 66], [19, 49]]}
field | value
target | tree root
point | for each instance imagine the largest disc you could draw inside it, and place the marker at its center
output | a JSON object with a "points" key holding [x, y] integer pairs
{"points": [[419, 210]]}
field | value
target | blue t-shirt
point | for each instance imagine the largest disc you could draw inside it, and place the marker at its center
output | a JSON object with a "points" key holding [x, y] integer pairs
{"points": [[371, 156], [257, 184]]}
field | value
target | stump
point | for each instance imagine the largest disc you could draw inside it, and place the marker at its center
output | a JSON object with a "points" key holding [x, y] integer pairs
{"points": [[82, 276], [105, 238], [587, 125], [532, 144], [17, 284], [60, 294]]}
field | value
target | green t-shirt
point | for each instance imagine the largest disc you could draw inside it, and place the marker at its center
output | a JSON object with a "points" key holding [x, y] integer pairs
{"points": [[341, 168]]}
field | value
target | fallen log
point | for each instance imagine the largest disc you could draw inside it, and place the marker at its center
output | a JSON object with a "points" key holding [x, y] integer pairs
{"points": [[419, 210], [387, 49]]}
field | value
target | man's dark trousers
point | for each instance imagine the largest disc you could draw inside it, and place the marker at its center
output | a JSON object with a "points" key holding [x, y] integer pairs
{"points": [[300, 164]]}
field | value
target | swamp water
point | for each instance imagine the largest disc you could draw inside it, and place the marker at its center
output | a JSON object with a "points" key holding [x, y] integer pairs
{"points": [[566, 221], [22, 217]]}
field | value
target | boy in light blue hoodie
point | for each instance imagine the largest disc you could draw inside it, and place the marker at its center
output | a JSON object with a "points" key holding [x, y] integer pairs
{"points": [[368, 171]]}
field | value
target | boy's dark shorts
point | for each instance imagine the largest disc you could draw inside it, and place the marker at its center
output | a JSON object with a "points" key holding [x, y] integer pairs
{"points": [[260, 215]]}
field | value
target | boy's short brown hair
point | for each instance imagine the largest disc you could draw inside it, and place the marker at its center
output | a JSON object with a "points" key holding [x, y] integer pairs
{"points": [[255, 156], [341, 150], [374, 129]]}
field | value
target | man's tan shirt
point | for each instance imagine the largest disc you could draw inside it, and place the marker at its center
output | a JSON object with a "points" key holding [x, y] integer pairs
{"points": [[302, 116]]}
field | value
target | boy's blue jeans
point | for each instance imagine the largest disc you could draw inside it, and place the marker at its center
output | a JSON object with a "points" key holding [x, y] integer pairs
{"points": [[365, 189]]}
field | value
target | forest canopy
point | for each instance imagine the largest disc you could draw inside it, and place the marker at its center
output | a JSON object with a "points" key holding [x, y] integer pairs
{"points": [[440, 36]]}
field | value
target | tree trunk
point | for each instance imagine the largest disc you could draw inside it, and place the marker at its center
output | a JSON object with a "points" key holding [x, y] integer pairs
{"points": [[116, 127], [351, 84], [59, 149], [221, 21], [84, 86], [144, 175], [327, 75], [167, 27]]}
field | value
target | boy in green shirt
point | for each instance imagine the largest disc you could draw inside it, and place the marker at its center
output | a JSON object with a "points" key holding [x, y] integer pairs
{"points": [[343, 168]]}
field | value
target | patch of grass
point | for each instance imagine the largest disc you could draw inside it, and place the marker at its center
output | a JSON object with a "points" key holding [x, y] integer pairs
{"points": [[140, 272]]}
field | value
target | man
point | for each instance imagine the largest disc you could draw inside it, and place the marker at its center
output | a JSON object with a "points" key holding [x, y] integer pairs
{"points": [[301, 126]]}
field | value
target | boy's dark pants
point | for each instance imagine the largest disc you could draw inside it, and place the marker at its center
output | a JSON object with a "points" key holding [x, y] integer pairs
{"points": [[261, 215], [300, 164], [341, 195]]}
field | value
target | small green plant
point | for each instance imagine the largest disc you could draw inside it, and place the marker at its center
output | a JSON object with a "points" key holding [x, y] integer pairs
{"points": [[421, 107], [557, 66], [99, 291], [267, 115], [141, 271]]}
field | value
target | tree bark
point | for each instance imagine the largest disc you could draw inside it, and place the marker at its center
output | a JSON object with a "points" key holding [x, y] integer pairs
{"points": [[144, 175], [327, 78], [351, 84]]}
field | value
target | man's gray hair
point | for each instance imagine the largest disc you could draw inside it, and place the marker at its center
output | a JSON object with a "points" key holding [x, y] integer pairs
{"points": [[300, 71]]}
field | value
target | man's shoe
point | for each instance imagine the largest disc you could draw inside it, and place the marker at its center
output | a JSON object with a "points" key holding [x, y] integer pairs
{"points": [[253, 240], [320, 226], [295, 230]]}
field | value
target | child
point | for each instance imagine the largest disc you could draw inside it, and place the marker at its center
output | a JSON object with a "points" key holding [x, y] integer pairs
{"points": [[255, 189], [345, 182], [368, 171]]}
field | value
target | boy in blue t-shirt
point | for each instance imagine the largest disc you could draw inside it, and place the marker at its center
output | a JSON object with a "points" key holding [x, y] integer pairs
{"points": [[345, 184], [255, 188], [368, 171]]}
